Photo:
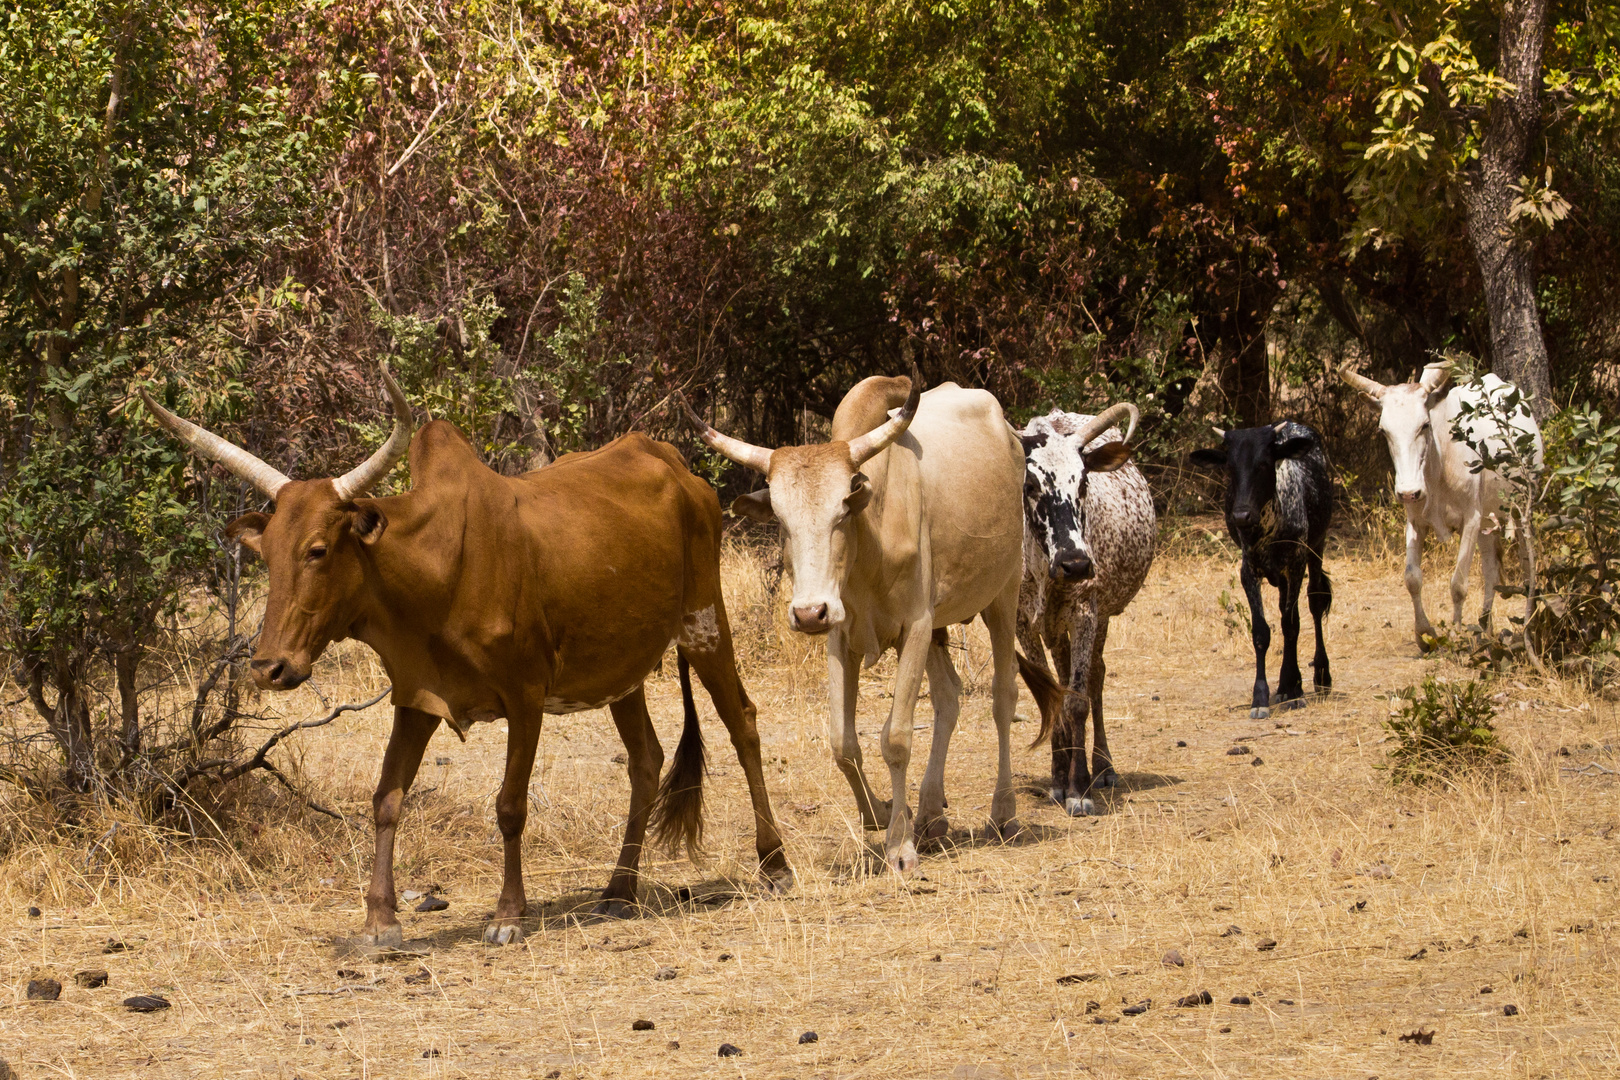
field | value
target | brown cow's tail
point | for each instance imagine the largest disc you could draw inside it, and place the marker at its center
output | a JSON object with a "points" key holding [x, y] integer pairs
{"points": [[677, 817], [1047, 693]]}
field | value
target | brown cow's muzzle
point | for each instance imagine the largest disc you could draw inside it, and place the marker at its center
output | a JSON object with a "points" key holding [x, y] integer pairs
{"points": [[278, 673]]}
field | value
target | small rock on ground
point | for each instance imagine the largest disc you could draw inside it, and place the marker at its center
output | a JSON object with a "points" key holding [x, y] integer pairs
{"points": [[664, 974], [146, 1003], [1510, 1010], [1238, 751], [1172, 959], [91, 979], [641, 1025], [809, 1037], [727, 1050], [432, 903], [44, 989]]}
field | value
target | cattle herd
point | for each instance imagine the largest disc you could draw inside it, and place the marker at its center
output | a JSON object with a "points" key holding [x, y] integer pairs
{"points": [[560, 590]]}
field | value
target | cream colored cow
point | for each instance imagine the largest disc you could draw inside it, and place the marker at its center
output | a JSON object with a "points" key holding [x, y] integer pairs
{"points": [[900, 526], [1438, 480]]}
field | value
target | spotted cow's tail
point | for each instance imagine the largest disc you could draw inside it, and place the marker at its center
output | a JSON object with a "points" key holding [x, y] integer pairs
{"points": [[677, 817], [1047, 693]]}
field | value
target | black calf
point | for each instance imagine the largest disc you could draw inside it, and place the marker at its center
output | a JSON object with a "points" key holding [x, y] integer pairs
{"points": [[1279, 501]]}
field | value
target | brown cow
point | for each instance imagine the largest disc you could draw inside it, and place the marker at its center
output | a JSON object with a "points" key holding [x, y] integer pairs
{"points": [[488, 596]]}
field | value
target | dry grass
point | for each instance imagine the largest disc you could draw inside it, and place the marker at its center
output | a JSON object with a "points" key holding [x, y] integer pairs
{"points": [[1505, 882]]}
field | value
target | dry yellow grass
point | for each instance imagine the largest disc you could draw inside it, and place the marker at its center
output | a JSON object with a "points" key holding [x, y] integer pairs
{"points": [[1506, 881]]}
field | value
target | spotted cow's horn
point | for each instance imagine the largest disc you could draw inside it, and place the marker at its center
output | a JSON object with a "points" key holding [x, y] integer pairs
{"points": [[365, 476], [205, 443], [743, 453], [1107, 419], [877, 440]]}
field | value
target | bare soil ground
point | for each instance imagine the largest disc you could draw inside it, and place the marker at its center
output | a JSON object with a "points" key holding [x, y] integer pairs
{"points": [[1392, 909]]}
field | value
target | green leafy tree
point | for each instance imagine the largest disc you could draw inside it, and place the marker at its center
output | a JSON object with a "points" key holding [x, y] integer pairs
{"points": [[1473, 103], [146, 159]]}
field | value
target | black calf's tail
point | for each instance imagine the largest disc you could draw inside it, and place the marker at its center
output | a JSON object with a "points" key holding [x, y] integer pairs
{"points": [[677, 817], [1047, 693]]}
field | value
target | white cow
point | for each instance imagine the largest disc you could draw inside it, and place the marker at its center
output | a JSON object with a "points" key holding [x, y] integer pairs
{"points": [[898, 527], [1435, 478]]}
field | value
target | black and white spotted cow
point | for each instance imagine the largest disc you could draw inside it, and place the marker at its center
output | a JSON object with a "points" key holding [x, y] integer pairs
{"points": [[1279, 502], [1089, 533]]}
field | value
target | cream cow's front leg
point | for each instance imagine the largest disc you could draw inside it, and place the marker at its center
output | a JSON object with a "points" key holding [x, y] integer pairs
{"points": [[899, 846], [843, 683]]}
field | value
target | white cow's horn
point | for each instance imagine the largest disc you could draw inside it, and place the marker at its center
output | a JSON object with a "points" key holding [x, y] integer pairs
{"points": [[206, 444], [1361, 382], [745, 454], [1107, 419], [1435, 376], [877, 440], [365, 476]]}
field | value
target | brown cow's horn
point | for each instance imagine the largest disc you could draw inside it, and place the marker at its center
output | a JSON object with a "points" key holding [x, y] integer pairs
{"points": [[206, 444], [365, 476], [877, 440], [745, 454], [1372, 389], [1108, 418]]}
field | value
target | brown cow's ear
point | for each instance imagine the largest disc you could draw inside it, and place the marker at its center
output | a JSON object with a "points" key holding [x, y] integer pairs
{"points": [[248, 530], [860, 493], [1107, 457], [368, 524], [756, 506]]}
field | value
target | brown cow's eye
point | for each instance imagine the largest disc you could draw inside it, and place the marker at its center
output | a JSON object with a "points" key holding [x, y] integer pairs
{"points": [[317, 552]]}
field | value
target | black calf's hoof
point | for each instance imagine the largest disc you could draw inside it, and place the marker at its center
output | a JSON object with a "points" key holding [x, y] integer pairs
{"points": [[1291, 703], [1260, 712]]}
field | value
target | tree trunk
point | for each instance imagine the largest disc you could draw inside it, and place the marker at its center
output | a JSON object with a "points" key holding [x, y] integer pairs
{"points": [[1518, 351], [125, 664], [68, 720], [1245, 372]]}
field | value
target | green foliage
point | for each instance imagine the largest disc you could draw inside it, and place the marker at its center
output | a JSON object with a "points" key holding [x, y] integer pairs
{"points": [[1575, 618], [1234, 612], [145, 161], [1442, 729]]}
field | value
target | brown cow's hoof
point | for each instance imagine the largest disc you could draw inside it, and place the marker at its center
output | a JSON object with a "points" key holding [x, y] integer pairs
{"points": [[503, 933], [611, 910], [1080, 808], [389, 937], [777, 881], [388, 941]]}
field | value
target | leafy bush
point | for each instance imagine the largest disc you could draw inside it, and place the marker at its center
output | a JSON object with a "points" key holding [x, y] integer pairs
{"points": [[1442, 728], [1566, 520]]}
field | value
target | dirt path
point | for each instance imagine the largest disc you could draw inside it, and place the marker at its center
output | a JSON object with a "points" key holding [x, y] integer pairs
{"points": [[983, 965]]}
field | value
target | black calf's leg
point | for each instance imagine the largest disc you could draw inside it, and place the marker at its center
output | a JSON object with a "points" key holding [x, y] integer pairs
{"points": [[1260, 707], [1290, 684], [1320, 595]]}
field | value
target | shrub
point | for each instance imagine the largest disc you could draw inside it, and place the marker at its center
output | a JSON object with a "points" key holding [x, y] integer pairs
{"points": [[1442, 728]]}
